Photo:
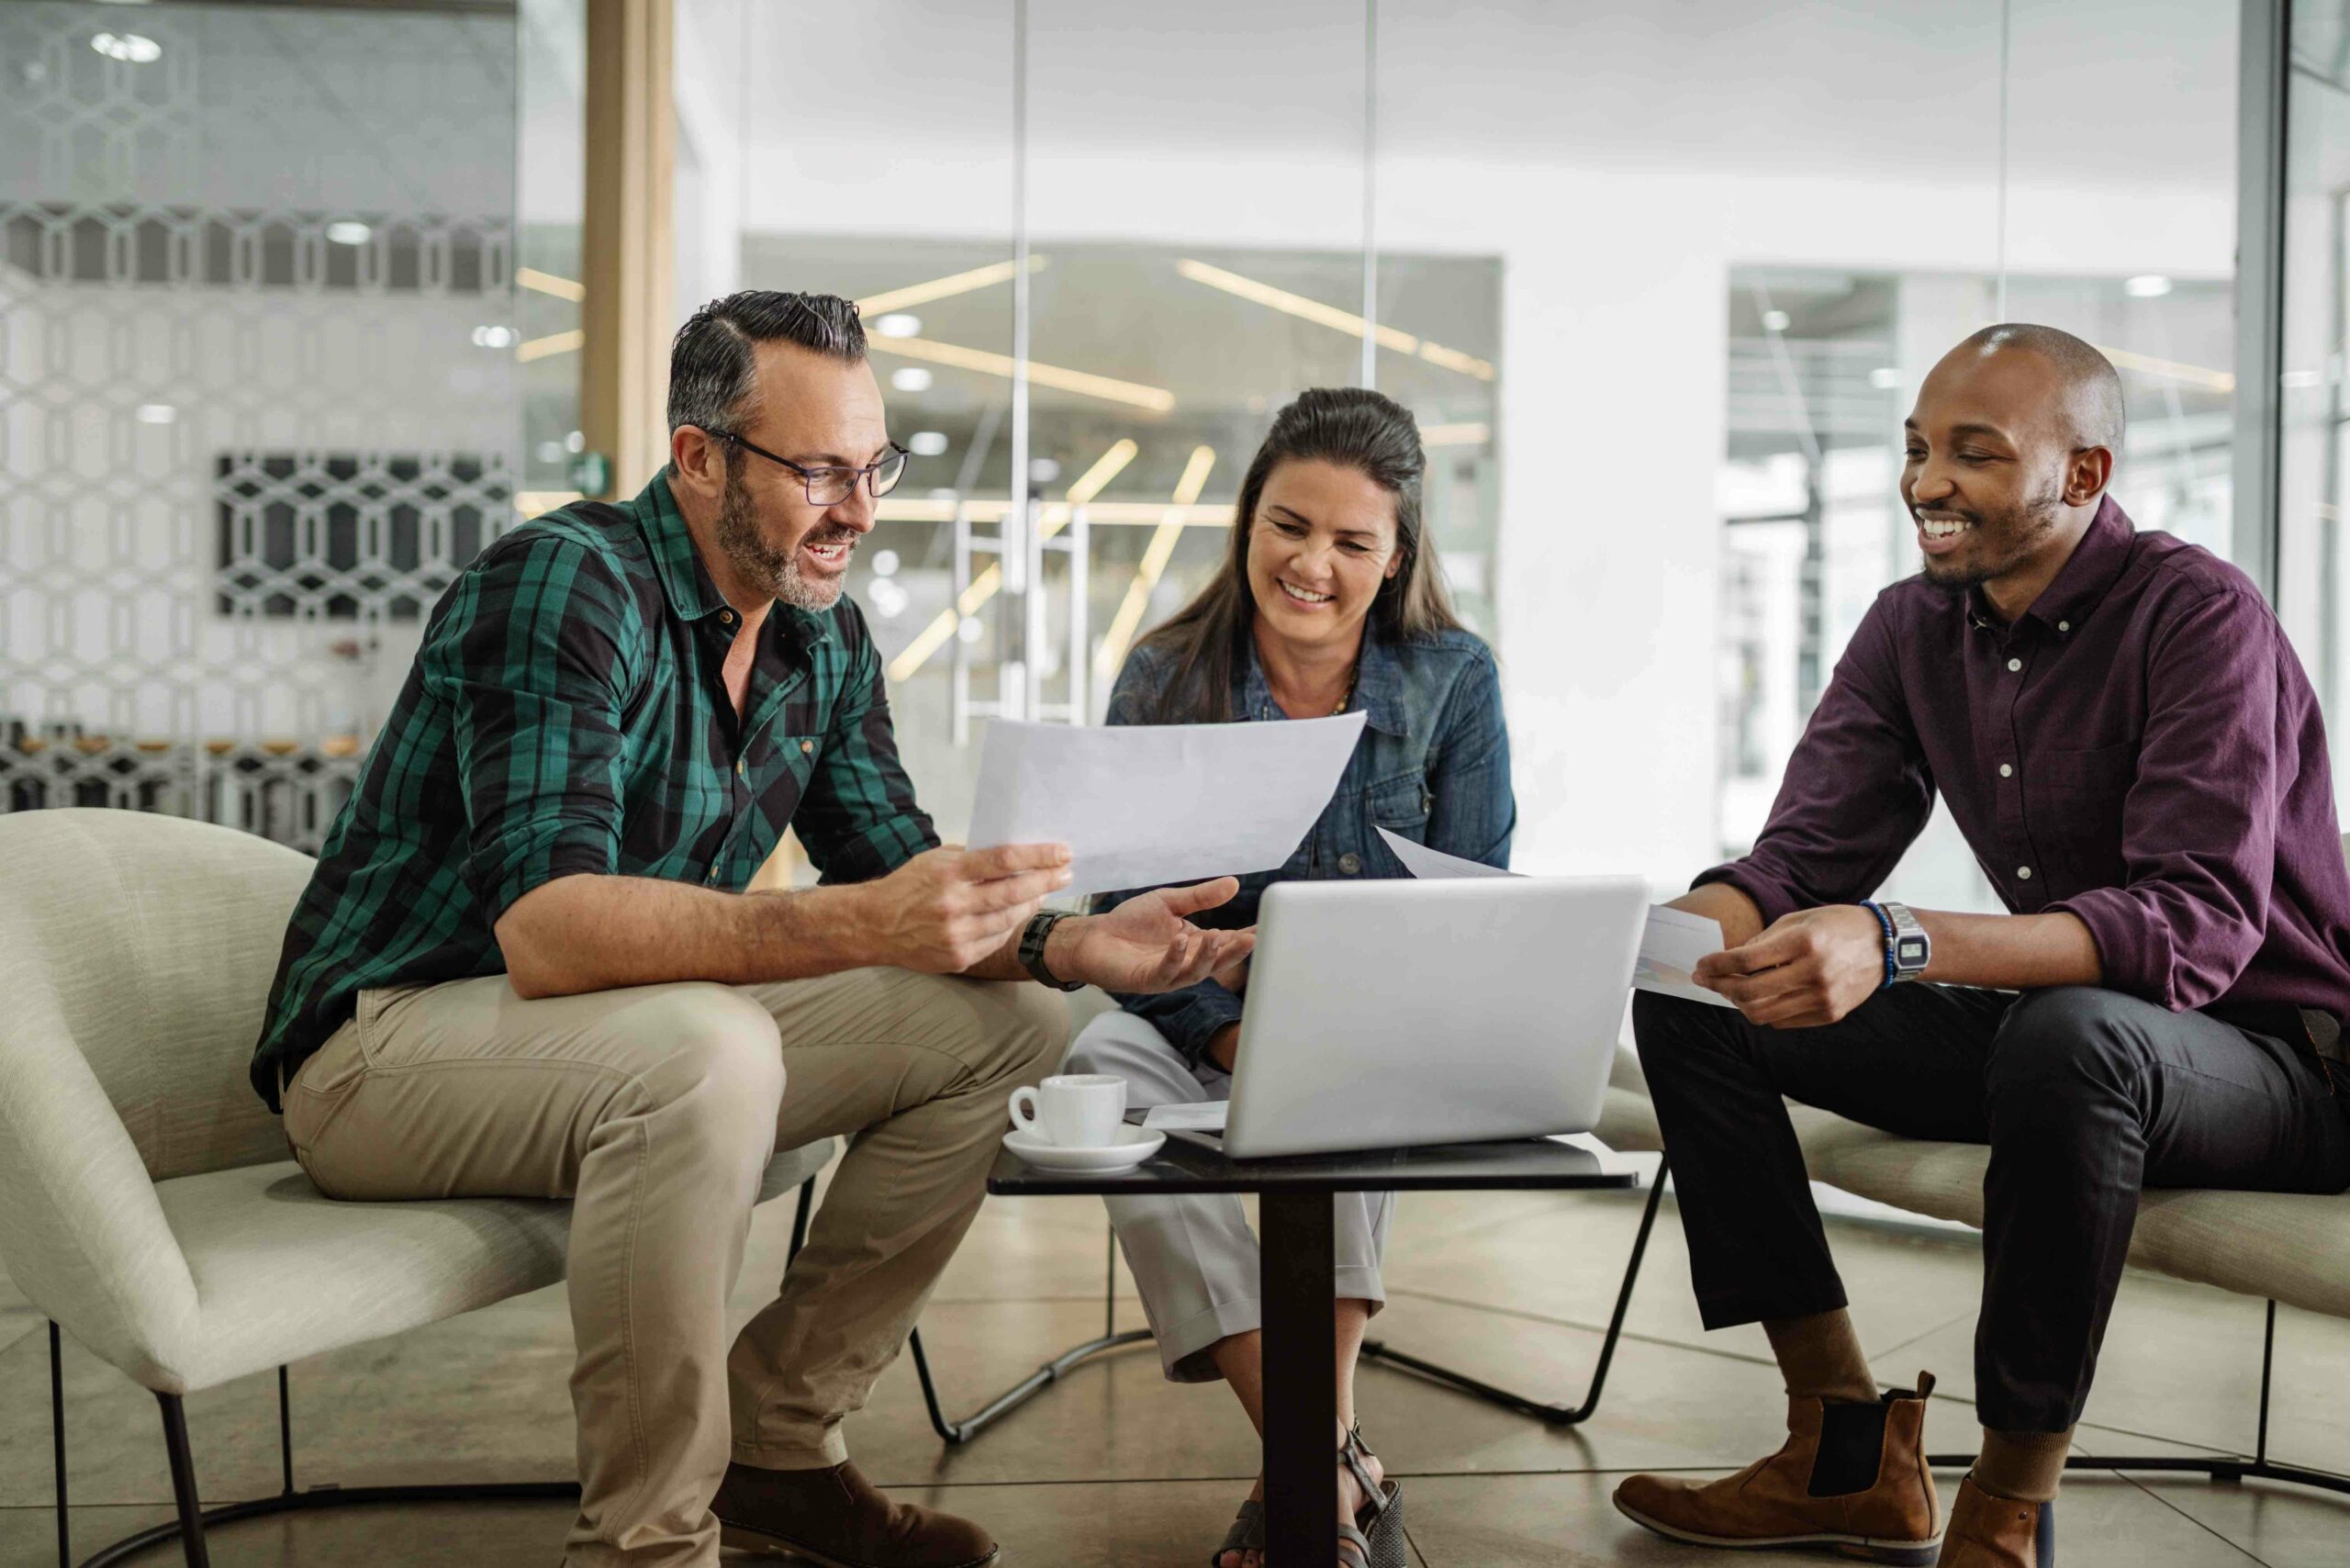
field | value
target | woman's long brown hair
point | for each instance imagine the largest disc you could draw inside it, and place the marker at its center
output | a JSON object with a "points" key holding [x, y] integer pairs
{"points": [[1353, 428]]}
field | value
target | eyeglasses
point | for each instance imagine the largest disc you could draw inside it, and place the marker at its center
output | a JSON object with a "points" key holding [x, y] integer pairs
{"points": [[830, 487]]}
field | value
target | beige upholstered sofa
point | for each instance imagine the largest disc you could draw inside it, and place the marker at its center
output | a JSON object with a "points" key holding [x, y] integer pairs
{"points": [[148, 1205]]}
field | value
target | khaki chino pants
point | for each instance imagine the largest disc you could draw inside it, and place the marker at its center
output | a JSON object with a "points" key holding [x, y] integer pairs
{"points": [[655, 1110]]}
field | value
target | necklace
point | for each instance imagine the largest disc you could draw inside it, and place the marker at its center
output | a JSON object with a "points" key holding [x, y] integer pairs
{"points": [[1352, 675]]}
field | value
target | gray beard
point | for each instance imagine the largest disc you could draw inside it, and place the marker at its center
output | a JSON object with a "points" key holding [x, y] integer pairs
{"points": [[777, 570]]}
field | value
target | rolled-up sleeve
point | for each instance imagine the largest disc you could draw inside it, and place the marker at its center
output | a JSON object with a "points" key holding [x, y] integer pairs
{"points": [[1856, 792], [2198, 826], [858, 818], [526, 654]]}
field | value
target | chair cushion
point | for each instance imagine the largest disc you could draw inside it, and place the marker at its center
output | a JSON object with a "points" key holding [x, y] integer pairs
{"points": [[283, 1271]]}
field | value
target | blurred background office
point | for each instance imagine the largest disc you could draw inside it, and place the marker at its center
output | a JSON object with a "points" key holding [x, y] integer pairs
{"points": [[300, 304]]}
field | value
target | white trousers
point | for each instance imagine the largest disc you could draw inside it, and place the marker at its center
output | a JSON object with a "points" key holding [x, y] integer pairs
{"points": [[1194, 1258]]}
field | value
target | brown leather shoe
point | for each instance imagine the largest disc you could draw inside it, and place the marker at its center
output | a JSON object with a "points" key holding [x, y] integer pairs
{"points": [[839, 1519], [1998, 1532], [1853, 1477]]}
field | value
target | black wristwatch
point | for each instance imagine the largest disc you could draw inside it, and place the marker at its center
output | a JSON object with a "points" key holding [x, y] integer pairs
{"points": [[1032, 950]]}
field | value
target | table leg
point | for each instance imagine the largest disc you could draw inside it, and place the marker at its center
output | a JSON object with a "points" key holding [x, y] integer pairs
{"points": [[1298, 1274]]}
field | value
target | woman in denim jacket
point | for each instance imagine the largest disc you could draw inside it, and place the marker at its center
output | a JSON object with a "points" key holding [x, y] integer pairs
{"points": [[1331, 600]]}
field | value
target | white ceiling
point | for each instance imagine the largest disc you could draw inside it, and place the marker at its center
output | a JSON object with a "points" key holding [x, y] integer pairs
{"points": [[2133, 91]]}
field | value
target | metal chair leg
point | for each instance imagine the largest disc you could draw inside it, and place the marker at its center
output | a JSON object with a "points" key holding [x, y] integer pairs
{"points": [[1548, 1414], [57, 1441], [800, 1219], [183, 1481], [957, 1433]]}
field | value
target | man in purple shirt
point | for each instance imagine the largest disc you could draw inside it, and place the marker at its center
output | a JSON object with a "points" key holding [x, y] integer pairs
{"points": [[2130, 748]]}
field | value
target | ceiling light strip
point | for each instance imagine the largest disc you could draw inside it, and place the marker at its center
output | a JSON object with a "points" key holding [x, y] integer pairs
{"points": [[1106, 467], [1330, 316], [2147, 365], [553, 344], [547, 283], [1156, 399], [945, 288]]}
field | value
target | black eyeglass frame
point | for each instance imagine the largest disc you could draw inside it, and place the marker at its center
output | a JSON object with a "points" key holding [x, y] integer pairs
{"points": [[870, 474]]}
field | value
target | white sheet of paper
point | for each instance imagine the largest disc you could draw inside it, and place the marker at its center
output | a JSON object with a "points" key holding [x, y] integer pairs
{"points": [[1142, 805], [1207, 1116], [1434, 865], [1671, 944]]}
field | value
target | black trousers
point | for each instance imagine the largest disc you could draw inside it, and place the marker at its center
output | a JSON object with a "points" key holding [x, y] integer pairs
{"points": [[2085, 1097]]}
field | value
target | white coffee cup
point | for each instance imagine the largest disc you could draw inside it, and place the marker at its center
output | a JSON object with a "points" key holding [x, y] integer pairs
{"points": [[1074, 1111]]}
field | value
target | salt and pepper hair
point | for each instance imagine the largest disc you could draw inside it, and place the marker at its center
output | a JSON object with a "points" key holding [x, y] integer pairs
{"points": [[713, 372]]}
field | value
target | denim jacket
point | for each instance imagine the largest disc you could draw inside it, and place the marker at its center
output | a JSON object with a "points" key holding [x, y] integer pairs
{"points": [[1432, 765]]}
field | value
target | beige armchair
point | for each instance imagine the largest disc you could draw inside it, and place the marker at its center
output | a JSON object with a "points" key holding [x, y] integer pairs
{"points": [[151, 1208]]}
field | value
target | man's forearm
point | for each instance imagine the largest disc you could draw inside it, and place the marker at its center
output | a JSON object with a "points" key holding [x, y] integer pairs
{"points": [[1727, 907], [2012, 952], [594, 933]]}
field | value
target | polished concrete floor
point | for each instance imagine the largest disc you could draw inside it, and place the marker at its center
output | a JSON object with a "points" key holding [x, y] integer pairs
{"points": [[1115, 1467]]}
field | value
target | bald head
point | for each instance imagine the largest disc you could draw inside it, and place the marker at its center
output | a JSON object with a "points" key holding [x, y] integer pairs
{"points": [[2084, 390], [2005, 459]]}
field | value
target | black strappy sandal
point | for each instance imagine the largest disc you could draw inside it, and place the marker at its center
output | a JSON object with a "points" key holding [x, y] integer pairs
{"points": [[1374, 1540]]}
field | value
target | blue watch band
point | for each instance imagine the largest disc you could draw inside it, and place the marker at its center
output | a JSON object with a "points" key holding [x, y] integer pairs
{"points": [[1884, 924]]}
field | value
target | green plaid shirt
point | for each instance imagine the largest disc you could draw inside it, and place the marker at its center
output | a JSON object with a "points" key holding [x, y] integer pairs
{"points": [[568, 713]]}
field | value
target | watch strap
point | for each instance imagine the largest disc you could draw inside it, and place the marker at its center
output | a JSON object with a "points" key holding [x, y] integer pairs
{"points": [[1907, 949], [1032, 950]]}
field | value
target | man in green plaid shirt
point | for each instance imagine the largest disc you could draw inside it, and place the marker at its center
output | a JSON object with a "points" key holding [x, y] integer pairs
{"points": [[527, 966]]}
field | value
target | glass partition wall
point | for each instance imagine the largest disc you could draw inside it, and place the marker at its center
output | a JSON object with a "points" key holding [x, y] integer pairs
{"points": [[258, 387], [1085, 305]]}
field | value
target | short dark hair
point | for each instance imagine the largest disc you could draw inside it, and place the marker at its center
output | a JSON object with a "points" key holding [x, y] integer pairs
{"points": [[712, 372], [2093, 386]]}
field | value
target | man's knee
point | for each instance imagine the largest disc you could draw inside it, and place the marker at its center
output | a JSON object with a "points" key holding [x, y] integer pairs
{"points": [[2068, 1042], [1667, 1029], [1041, 1030], [720, 1062]]}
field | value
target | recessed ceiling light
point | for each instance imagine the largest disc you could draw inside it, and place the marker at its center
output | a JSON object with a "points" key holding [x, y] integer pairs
{"points": [[2146, 285], [898, 324], [157, 413], [910, 379], [884, 563], [1043, 470], [971, 630], [927, 443], [1775, 320], [348, 232], [1884, 378], [131, 49], [494, 337]]}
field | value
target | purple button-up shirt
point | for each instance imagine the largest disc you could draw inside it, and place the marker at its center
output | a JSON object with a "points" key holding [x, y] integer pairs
{"points": [[2140, 749]]}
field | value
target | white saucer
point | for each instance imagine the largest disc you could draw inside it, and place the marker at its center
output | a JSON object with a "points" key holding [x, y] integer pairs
{"points": [[1135, 1145]]}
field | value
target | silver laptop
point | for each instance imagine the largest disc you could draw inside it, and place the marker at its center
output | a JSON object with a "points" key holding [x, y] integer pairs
{"points": [[1387, 1014]]}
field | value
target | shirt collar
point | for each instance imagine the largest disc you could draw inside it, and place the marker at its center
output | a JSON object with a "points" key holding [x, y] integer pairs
{"points": [[2081, 584], [687, 582], [1379, 685], [683, 577]]}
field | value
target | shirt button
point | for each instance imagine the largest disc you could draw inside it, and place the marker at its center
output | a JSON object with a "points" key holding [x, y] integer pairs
{"points": [[2015, 664], [1351, 863], [2007, 770], [726, 617], [2064, 625], [807, 747], [738, 766], [2023, 873]]}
